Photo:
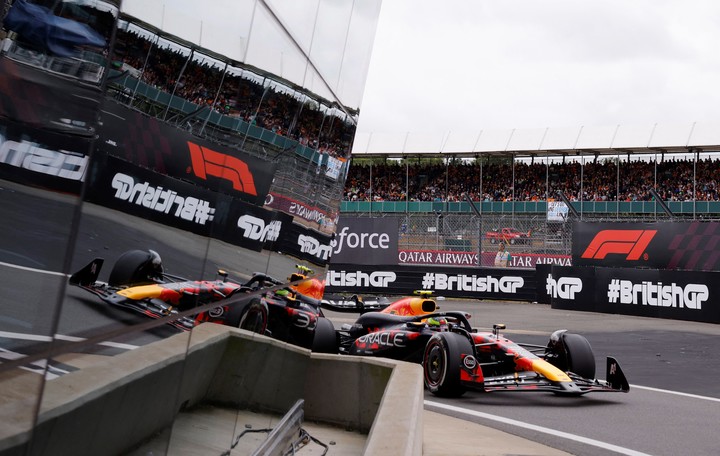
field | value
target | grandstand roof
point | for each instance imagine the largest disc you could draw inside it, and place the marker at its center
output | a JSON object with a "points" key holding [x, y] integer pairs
{"points": [[618, 139]]}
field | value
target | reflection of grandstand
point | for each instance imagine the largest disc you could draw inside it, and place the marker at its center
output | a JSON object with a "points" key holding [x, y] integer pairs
{"points": [[87, 66], [66, 39], [240, 107]]}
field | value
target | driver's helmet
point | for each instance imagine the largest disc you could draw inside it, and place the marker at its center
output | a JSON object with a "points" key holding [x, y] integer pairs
{"points": [[439, 323]]}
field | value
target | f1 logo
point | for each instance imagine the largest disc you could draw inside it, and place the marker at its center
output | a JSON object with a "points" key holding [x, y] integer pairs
{"points": [[207, 162], [630, 242]]}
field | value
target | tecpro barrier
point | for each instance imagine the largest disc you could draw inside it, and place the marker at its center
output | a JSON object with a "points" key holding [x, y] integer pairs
{"points": [[678, 295]]}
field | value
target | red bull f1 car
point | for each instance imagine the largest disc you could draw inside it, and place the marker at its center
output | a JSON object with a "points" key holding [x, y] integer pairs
{"points": [[456, 358], [289, 311]]}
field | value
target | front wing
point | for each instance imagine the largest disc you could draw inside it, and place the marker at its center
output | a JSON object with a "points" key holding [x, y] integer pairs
{"points": [[532, 381], [153, 308]]}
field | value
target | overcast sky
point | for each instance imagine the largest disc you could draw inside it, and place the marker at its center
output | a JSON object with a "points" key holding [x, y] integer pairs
{"points": [[470, 65]]}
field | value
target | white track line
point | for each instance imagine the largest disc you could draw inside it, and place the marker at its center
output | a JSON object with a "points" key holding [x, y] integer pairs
{"points": [[677, 393], [544, 430], [40, 271], [38, 338]]}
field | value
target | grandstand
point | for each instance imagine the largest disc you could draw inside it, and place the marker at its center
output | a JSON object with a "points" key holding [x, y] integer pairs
{"points": [[450, 189]]}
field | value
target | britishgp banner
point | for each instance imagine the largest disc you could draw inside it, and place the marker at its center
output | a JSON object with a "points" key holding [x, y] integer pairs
{"points": [[390, 279], [165, 149], [123, 186], [660, 245], [677, 295], [363, 240]]}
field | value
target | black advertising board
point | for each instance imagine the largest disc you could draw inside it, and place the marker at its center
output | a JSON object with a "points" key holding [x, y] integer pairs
{"points": [[165, 149], [363, 240], [659, 245], [120, 185], [305, 243], [391, 279], [677, 295], [569, 287], [43, 158], [249, 226]]}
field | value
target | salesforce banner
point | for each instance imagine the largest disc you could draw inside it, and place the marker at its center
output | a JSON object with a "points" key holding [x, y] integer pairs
{"points": [[390, 279], [362, 240], [677, 295]]}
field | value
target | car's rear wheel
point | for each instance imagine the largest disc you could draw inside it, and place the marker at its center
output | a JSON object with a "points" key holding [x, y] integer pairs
{"points": [[254, 317], [325, 338], [441, 363]]}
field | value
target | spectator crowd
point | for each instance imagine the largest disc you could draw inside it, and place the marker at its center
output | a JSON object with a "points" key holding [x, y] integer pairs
{"points": [[436, 181], [270, 106]]}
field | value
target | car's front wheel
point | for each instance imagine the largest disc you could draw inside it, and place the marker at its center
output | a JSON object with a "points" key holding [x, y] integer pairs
{"points": [[441, 363], [572, 353]]}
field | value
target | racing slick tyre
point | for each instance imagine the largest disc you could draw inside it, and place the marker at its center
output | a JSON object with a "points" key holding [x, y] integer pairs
{"points": [[136, 267], [254, 317], [325, 337], [441, 363], [572, 353]]}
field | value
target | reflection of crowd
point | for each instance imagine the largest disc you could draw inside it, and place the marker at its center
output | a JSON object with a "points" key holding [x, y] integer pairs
{"points": [[438, 182], [240, 97]]}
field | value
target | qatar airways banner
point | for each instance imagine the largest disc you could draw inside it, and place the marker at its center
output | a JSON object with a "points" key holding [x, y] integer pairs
{"points": [[362, 240], [441, 257], [658, 293], [301, 210], [473, 283], [658, 245]]}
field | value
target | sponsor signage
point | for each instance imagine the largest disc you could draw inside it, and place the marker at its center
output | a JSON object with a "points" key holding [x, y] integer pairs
{"points": [[678, 295], [362, 240], [143, 193], [441, 257], [297, 209], [165, 149], [567, 287], [35, 157], [304, 243], [249, 226], [659, 245], [478, 283]]}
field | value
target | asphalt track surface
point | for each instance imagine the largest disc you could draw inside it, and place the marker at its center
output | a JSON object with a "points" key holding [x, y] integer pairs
{"points": [[673, 367]]}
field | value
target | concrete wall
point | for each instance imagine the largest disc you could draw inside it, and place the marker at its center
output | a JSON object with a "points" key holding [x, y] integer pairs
{"points": [[109, 408]]}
